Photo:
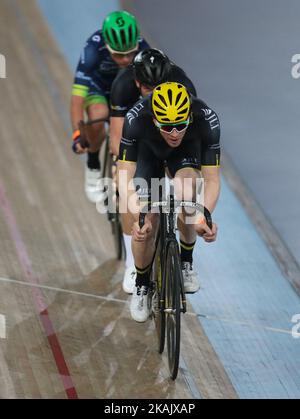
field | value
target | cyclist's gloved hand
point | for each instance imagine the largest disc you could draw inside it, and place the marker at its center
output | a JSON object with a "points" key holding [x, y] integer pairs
{"points": [[74, 145], [202, 229], [79, 146]]}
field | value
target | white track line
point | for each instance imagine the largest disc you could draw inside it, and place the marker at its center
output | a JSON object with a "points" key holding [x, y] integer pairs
{"points": [[71, 292], [248, 324], [2, 326], [116, 300]]}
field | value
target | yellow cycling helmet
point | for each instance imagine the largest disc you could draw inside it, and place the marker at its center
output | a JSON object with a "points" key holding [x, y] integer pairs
{"points": [[171, 103]]}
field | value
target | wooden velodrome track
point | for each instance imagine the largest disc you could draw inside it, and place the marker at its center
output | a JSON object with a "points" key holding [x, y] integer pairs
{"points": [[68, 331]]}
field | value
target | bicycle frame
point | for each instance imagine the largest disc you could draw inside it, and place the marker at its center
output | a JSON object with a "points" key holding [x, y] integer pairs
{"points": [[170, 304], [167, 235]]}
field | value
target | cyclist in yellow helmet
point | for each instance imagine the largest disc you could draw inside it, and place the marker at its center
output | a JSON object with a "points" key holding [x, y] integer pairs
{"points": [[168, 131]]}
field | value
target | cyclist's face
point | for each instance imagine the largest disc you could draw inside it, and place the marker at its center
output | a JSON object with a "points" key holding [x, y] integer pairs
{"points": [[174, 139], [123, 60]]}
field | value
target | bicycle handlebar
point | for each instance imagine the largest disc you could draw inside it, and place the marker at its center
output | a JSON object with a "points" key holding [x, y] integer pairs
{"points": [[182, 204]]}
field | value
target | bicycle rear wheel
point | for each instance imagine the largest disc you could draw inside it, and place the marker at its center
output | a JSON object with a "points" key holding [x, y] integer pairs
{"points": [[173, 307], [113, 217], [105, 164]]}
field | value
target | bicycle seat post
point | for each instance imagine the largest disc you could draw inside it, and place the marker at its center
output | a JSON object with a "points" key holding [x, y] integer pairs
{"points": [[171, 198]]}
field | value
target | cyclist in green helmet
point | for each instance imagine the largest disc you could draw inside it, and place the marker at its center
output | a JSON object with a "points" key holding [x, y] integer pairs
{"points": [[105, 52]]}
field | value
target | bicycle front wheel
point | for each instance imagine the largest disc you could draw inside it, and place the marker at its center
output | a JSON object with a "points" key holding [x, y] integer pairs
{"points": [[109, 170], [118, 235], [158, 302], [173, 307]]}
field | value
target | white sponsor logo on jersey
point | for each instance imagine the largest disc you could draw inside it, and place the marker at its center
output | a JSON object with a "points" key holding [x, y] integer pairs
{"points": [[96, 38], [211, 117], [134, 112], [206, 111]]}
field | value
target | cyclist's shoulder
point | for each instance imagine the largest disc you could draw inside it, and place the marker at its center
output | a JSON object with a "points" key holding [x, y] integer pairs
{"points": [[124, 92], [96, 41], [201, 108], [142, 44], [125, 75], [206, 120], [140, 114], [176, 71], [177, 74], [94, 52]]}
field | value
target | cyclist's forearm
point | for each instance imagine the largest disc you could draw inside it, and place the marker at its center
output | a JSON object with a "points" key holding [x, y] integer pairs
{"points": [[77, 111], [211, 194], [134, 206], [129, 204], [116, 126], [128, 197]]}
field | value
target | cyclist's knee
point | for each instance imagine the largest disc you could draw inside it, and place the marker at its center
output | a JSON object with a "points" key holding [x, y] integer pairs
{"points": [[154, 219], [185, 183], [98, 111], [97, 131]]}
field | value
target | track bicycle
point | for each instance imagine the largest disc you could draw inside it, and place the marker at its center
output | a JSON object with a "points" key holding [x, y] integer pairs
{"points": [[108, 170], [166, 294]]}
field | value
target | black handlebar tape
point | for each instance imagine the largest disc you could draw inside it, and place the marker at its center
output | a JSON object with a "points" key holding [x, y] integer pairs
{"points": [[142, 220], [208, 218]]}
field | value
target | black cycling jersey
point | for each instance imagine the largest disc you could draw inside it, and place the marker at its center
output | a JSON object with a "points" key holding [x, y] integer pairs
{"points": [[143, 144], [124, 92]]}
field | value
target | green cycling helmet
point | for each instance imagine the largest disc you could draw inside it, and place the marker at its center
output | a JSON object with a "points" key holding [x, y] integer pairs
{"points": [[121, 32]]}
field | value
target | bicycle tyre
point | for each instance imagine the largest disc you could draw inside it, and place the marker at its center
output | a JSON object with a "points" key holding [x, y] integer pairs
{"points": [[158, 303], [173, 303], [113, 218], [118, 235], [106, 159]]}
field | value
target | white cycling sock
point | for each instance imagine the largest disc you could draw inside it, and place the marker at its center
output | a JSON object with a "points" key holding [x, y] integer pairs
{"points": [[129, 256]]}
